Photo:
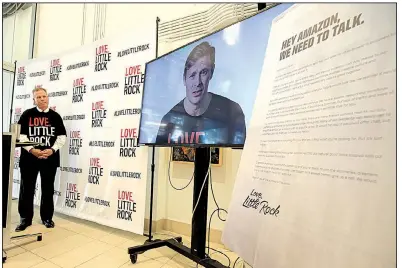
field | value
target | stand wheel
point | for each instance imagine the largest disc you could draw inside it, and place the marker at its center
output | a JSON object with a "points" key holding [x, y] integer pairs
{"points": [[39, 238], [133, 258]]}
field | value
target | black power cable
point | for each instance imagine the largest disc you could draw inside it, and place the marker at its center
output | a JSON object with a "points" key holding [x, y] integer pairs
{"points": [[234, 265], [218, 209], [210, 219], [209, 258], [213, 195], [170, 181]]}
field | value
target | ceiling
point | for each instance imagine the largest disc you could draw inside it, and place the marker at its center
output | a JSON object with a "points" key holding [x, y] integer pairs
{"points": [[10, 8]]}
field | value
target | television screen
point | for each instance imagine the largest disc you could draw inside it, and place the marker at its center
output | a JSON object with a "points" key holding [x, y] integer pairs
{"points": [[203, 93]]}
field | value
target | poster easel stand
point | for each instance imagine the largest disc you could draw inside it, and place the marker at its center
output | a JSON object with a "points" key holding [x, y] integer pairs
{"points": [[12, 94], [10, 142]]}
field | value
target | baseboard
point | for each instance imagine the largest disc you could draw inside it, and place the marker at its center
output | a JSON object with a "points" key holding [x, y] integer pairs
{"points": [[179, 228], [157, 226]]}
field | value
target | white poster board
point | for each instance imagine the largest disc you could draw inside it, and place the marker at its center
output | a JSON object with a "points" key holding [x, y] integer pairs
{"points": [[316, 186], [97, 89]]}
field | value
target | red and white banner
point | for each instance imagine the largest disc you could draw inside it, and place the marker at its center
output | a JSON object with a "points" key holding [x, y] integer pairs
{"points": [[97, 90]]}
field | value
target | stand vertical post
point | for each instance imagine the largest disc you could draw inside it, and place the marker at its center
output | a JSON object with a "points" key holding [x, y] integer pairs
{"points": [[152, 194], [199, 220], [153, 154], [200, 195], [12, 95]]}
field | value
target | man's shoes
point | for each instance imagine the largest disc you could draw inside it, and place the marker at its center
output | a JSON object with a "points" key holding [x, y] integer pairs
{"points": [[48, 223], [23, 225]]}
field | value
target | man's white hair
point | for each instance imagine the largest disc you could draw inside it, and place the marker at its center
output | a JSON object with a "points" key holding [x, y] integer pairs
{"points": [[38, 89]]}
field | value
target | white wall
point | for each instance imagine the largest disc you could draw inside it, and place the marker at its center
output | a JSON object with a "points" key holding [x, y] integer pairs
{"points": [[61, 27], [6, 98], [68, 26], [58, 28], [8, 37], [16, 36]]}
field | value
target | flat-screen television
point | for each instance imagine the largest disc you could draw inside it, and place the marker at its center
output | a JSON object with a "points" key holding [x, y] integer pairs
{"points": [[203, 93]]}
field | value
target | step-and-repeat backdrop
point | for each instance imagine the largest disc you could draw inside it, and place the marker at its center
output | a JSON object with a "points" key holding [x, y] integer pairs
{"points": [[97, 90]]}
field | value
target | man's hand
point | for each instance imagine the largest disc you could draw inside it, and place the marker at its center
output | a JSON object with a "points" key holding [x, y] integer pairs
{"points": [[46, 153], [36, 152]]}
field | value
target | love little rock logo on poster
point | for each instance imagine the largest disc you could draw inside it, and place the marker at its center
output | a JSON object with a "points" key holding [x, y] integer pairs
{"points": [[37, 74], [102, 144], [132, 50], [17, 114], [99, 113], [78, 65], [79, 89], [55, 70], [102, 58], [21, 76], [23, 96], [95, 171], [56, 193], [131, 111], [40, 130], [255, 201], [133, 80], [125, 205], [17, 158], [97, 201], [72, 195], [105, 86], [75, 142], [128, 142]]}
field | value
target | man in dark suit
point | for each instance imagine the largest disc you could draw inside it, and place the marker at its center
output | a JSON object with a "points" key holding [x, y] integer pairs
{"points": [[45, 126]]}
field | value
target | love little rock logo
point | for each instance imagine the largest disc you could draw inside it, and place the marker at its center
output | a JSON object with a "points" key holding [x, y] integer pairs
{"points": [[128, 142], [17, 114], [79, 89], [72, 195], [132, 50], [40, 130], [55, 70], [36, 74], [21, 76], [254, 201], [95, 171], [99, 113], [125, 205], [75, 142], [133, 80], [17, 159], [102, 58]]}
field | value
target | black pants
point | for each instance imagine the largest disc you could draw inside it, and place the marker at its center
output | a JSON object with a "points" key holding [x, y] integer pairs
{"points": [[29, 175]]}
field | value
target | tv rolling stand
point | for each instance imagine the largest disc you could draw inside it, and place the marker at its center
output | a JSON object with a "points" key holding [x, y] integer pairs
{"points": [[199, 221]]}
